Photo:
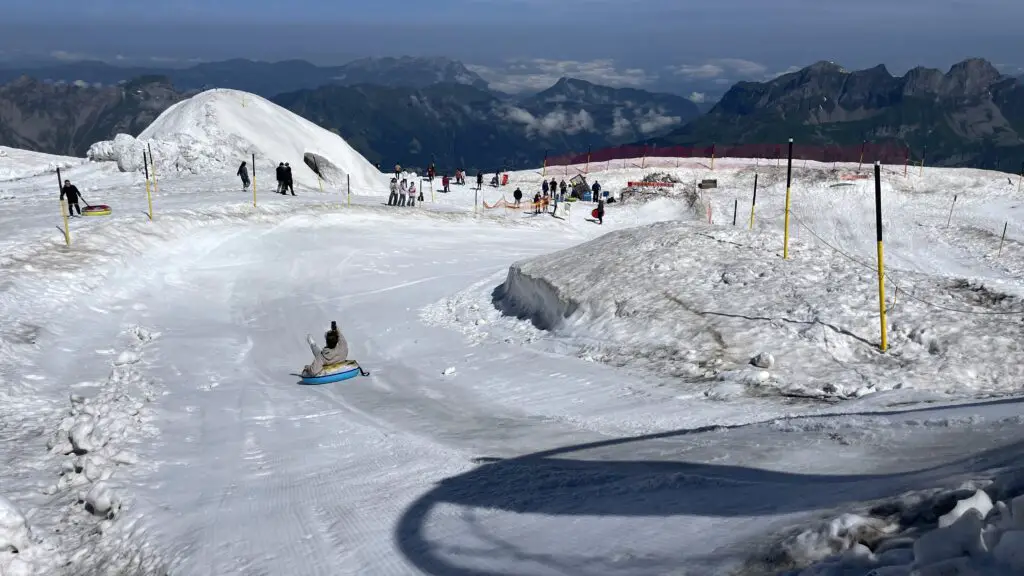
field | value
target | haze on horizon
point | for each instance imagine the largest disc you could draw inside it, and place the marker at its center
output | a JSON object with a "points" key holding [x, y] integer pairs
{"points": [[521, 45]]}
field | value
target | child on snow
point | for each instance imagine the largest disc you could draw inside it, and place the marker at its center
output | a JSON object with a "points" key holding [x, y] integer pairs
{"points": [[335, 352], [402, 189], [412, 194], [393, 197]]}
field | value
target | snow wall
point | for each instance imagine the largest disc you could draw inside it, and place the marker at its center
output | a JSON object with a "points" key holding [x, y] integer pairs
{"points": [[213, 132]]}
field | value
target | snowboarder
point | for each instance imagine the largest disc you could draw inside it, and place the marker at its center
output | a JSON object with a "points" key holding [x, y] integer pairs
{"points": [[393, 197], [445, 182], [517, 196], [600, 211], [243, 173], [412, 193], [279, 172], [335, 352], [403, 188], [288, 182], [70, 191]]}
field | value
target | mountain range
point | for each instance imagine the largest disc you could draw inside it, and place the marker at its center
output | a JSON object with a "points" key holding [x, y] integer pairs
{"points": [[969, 116], [411, 111], [415, 111]]}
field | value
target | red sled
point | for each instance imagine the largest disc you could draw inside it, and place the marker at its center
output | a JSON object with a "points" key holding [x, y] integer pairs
{"points": [[593, 213]]}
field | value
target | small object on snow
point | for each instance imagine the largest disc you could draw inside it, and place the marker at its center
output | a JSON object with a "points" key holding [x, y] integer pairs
{"points": [[480, 322], [763, 360], [448, 371], [102, 501]]}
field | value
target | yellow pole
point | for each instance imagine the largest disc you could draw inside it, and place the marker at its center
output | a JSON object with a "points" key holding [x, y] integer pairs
{"points": [[544, 169], [321, 183], [712, 157], [881, 256], [789, 185], [753, 203], [156, 187], [923, 154], [254, 180], [67, 230], [1021, 181]]}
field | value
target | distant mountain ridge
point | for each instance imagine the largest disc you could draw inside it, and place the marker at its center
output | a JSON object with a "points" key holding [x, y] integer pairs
{"points": [[971, 115], [408, 110], [265, 78]]}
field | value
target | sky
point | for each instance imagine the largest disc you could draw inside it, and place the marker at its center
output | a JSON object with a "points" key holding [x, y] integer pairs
{"points": [[517, 45]]}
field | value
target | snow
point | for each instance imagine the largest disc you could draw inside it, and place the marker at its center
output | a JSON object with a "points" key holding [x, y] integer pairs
{"points": [[214, 131], [539, 400]]}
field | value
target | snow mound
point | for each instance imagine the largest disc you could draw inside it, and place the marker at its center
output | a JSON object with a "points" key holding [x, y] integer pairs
{"points": [[686, 301], [16, 164], [949, 532], [213, 132]]}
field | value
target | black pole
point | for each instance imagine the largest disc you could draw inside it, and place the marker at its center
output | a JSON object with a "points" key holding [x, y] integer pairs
{"points": [[878, 202], [60, 181], [145, 164], [735, 207]]}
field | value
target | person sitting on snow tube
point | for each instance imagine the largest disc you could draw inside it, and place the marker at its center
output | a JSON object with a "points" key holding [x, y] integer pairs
{"points": [[335, 352]]}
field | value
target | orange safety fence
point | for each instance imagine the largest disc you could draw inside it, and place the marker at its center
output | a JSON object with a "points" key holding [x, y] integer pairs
{"points": [[643, 156]]}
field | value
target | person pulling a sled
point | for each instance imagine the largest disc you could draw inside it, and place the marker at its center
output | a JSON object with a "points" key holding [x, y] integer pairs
{"points": [[335, 352], [70, 191]]}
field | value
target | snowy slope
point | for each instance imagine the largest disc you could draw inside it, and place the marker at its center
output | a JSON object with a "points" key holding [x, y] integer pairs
{"points": [[213, 132], [16, 164], [164, 350]]}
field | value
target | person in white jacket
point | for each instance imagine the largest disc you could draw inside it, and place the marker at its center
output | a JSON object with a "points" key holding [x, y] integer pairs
{"points": [[402, 189], [335, 352], [412, 194], [393, 197]]}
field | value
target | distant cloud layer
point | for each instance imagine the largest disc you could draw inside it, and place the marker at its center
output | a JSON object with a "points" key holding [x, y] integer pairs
{"points": [[534, 75]]}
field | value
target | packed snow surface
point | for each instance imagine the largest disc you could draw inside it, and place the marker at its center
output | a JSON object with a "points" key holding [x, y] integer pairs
{"points": [[215, 131], [544, 399]]}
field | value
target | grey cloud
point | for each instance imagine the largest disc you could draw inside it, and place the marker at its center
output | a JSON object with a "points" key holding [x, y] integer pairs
{"points": [[557, 121], [534, 75]]}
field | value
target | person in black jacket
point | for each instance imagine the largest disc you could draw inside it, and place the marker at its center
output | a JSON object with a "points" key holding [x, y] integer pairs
{"points": [[480, 179], [243, 173], [70, 191], [289, 184], [280, 177]]}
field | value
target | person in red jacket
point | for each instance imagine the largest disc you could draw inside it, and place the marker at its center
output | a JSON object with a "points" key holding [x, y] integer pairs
{"points": [[445, 182]]}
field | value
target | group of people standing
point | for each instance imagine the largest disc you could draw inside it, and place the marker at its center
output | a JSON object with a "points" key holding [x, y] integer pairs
{"points": [[402, 189], [285, 183]]}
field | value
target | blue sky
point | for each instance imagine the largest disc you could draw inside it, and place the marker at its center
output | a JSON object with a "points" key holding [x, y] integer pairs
{"points": [[646, 43]]}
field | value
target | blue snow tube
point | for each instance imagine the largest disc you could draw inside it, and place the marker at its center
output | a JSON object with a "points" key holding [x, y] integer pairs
{"points": [[345, 371]]}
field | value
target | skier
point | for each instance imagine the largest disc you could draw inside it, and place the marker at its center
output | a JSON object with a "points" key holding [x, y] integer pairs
{"points": [[279, 172], [393, 197], [243, 173], [70, 191], [335, 352], [445, 182], [412, 193], [596, 189], [600, 211], [288, 182], [402, 189], [517, 196]]}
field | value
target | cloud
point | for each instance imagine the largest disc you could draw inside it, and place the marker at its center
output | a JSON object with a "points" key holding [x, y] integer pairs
{"points": [[654, 121], [557, 121], [621, 127], [534, 75], [728, 70], [697, 97], [68, 56]]}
